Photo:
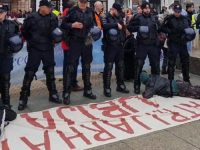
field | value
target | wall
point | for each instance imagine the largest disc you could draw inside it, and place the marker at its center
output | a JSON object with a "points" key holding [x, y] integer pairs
{"points": [[110, 3]]}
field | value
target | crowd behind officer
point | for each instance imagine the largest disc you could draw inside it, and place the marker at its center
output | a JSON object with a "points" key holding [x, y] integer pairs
{"points": [[145, 24], [113, 49], [78, 22], [98, 13], [7, 30], [37, 29]]}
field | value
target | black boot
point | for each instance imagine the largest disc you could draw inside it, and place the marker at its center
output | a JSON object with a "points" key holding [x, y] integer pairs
{"points": [[86, 80], [5, 86], [50, 82], [138, 69], [171, 65], [185, 70], [120, 77], [106, 79], [67, 84], [25, 90]]}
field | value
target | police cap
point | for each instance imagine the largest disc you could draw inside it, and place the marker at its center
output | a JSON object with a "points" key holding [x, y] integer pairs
{"points": [[145, 5], [177, 8], [118, 7], [45, 3], [3, 8], [83, 1]]}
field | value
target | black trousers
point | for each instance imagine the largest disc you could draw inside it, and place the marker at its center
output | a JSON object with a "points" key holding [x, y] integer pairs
{"points": [[153, 52], [113, 53], [35, 57], [129, 65]]}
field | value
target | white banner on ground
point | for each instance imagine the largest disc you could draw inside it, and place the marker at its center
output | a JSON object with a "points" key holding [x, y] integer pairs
{"points": [[87, 126]]}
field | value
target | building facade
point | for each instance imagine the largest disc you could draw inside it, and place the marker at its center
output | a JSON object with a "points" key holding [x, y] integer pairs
{"points": [[15, 5]]}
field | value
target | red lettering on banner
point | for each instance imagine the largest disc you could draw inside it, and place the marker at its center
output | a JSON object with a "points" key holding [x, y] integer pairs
{"points": [[128, 129], [176, 115], [144, 100], [196, 105], [86, 113], [100, 131], [62, 116], [46, 114], [46, 143], [5, 145], [192, 112], [123, 102], [68, 139], [107, 110], [159, 119], [140, 123], [158, 111]]}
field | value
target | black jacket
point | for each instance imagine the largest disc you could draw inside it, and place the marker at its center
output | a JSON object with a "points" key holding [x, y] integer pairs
{"points": [[111, 22], [157, 85], [174, 27], [75, 14], [141, 20]]}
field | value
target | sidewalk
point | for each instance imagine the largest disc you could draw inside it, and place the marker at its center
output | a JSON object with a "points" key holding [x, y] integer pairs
{"points": [[184, 137]]}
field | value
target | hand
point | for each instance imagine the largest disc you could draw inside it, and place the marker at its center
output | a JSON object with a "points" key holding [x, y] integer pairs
{"points": [[119, 26], [77, 25]]}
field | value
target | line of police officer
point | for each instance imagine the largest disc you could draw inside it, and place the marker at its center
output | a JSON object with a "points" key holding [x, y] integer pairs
{"points": [[41, 32]]}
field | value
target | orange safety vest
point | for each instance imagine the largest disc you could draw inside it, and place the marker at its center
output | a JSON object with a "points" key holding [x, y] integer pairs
{"points": [[98, 20], [129, 13]]}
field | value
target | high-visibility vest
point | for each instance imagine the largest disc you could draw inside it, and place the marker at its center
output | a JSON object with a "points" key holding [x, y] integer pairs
{"points": [[194, 22], [129, 13], [56, 12], [98, 20]]}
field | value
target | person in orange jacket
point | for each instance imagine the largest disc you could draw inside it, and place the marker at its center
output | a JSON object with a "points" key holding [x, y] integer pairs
{"points": [[98, 7], [75, 86]]}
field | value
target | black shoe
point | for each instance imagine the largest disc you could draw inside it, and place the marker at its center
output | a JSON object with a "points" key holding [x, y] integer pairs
{"points": [[89, 94], [55, 98], [137, 89], [164, 72], [107, 92], [22, 104], [122, 89], [66, 98]]}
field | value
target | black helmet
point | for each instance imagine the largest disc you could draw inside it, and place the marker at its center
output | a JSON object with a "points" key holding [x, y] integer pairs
{"points": [[57, 35], [15, 43], [95, 33], [143, 32], [189, 34], [112, 35]]}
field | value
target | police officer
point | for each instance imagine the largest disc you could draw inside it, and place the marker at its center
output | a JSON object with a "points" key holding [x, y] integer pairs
{"points": [[174, 25], [78, 21], [37, 29], [7, 30], [146, 45], [113, 50]]}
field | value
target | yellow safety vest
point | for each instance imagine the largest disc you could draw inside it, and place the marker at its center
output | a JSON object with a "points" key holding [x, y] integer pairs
{"points": [[56, 12], [194, 22]]}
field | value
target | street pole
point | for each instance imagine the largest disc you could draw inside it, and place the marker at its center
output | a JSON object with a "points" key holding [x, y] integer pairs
{"points": [[61, 6]]}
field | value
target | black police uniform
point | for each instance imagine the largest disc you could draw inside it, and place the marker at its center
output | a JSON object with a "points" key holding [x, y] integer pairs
{"points": [[149, 46], [113, 53], [36, 30], [7, 29], [77, 48], [174, 27]]}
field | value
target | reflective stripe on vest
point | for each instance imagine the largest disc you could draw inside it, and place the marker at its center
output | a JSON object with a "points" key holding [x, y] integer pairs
{"points": [[194, 22], [98, 20]]}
